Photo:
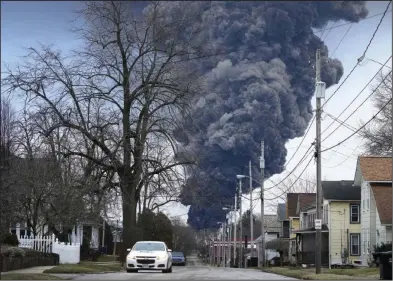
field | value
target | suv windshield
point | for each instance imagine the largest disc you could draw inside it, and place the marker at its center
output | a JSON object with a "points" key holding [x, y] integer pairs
{"points": [[177, 254], [149, 247]]}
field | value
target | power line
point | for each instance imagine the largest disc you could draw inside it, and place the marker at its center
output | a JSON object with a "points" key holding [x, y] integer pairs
{"points": [[345, 160], [360, 58], [358, 106], [369, 82], [350, 136], [342, 39], [297, 165], [286, 191], [262, 44], [304, 137], [344, 24]]}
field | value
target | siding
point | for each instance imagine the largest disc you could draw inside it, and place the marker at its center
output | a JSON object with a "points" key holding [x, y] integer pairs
{"points": [[385, 232], [339, 230], [368, 221], [294, 225]]}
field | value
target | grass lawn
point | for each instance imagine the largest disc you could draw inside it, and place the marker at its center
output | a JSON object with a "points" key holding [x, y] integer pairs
{"points": [[85, 267], [106, 258], [327, 274], [28, 276]]}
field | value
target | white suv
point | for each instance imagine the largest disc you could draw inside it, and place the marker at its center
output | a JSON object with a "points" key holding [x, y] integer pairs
{"points": [[149, 255]]}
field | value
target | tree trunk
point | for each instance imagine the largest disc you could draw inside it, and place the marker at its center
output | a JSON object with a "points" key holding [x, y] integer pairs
{"points": [[131, 232]]}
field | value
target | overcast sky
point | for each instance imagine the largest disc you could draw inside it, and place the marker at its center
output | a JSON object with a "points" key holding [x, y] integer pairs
{"points": [[25, 24]]}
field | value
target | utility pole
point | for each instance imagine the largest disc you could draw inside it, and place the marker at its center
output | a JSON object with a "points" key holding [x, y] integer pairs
{"points": [[251, 216], [224, 248], [229, 243], [320, 93], [234, 230], [241, 226], [262, 166]]}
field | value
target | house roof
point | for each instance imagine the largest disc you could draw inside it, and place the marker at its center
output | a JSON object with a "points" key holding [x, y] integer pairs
{"points": [[281, 211], [340, 190], [383, 200], [305, 200], [271, 223], [376, 168]]}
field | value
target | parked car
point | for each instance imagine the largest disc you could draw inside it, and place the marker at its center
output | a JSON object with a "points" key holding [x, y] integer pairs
{"points": [[149, 255], [178, 258]]}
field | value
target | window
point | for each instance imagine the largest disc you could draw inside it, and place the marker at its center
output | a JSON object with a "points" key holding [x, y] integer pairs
{"points": [[355, 214], [355, 244]]}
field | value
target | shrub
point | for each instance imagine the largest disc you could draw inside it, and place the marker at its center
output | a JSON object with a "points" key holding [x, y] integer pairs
{"points": [[94, 254], [384, 247], [87, 253], [13, 252], [10, 239]]}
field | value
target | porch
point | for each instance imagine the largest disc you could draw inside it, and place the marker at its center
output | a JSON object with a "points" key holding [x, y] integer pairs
{"points": [[305, 246]]}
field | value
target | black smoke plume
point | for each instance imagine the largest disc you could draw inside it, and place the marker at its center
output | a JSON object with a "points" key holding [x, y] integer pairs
{"points": [[261, 87]]}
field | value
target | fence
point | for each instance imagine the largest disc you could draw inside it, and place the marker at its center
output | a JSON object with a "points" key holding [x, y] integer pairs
{"points": [[68, 253], [39, 243]]}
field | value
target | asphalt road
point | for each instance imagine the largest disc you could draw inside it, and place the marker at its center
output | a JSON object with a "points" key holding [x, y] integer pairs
{"points": [[193, 271]]}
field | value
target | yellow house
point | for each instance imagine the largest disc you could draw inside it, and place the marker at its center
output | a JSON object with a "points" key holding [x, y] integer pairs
{"points": [[340, 226], [342, 217]]}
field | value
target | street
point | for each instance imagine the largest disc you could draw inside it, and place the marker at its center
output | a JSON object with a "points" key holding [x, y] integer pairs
{"points": [[193, 271]]}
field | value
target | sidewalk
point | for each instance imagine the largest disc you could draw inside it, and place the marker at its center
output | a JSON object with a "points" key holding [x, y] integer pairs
{"points": [[30, 270]]}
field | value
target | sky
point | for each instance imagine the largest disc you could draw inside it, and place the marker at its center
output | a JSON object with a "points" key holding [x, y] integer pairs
{"points": [[29, 23]]}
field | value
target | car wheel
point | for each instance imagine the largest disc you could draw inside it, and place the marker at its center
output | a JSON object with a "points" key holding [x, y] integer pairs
{"points": [[170, 270]]}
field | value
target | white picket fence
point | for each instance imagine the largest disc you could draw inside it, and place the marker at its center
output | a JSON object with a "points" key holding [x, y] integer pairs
{"points": [[40, 243], [68, 253]]}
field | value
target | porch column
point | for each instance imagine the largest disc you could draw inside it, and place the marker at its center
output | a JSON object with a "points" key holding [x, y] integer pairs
{"points": [[18, 230], [81, 233], [73, 235], [94, 237]]}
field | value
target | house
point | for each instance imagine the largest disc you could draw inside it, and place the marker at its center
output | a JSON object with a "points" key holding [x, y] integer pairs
{"points": [[280, 244], [272, 232], [374, 176], [341, 202], [340, 222], [283, 220], [305, 242], [296, 202]]}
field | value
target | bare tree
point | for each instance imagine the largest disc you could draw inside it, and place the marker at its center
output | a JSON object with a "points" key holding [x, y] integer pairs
{"points": [[378, 134], [292, 184], [8, 210], [131, 67]]}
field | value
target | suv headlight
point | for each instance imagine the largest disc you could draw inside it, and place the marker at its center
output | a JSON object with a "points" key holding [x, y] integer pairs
{"points": [[132, 257]]}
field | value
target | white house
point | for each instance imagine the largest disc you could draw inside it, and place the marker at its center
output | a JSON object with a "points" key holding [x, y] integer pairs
{"points": [[374, 175]]}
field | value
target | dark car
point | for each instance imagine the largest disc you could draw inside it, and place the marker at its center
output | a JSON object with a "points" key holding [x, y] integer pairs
{"points": [[178, 258]]}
